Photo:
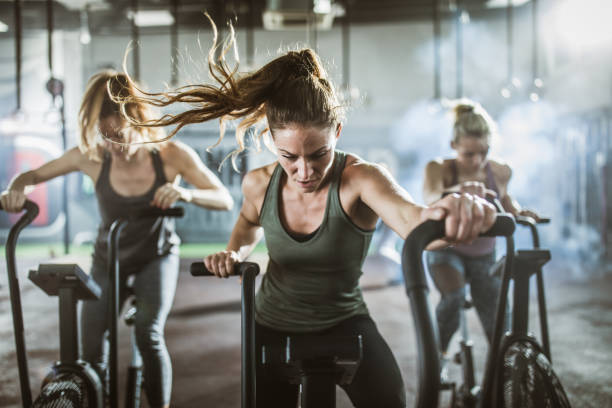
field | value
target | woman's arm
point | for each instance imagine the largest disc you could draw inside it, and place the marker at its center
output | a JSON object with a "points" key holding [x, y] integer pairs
{"points": [[509, 203], [433, 183], [465, 215], [208, 191], [246, 232], [14, 196]]}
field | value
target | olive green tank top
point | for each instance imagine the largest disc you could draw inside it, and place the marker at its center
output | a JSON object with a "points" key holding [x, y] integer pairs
{"points": [[311, 285]]}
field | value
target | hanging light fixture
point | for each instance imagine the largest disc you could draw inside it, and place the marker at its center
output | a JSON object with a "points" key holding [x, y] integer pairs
{"points": [[135, 38], [537, 83], [506, 90], [174, 45], [84, 34], [348, 93], [434, 105], [458, 51], [250, 37]]}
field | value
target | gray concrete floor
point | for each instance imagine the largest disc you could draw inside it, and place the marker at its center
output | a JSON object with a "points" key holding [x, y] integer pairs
{"points": [[203, 336]]}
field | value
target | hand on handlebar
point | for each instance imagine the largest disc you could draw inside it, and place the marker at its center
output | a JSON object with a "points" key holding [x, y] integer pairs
{"points": [[465, 216], [529, 213], [476, 188], [221, 264], [169, 194], [12, 200]]}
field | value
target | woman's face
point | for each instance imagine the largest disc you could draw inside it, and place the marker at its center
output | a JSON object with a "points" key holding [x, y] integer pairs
{"points": [[471, 152], [306, 154], [114, 129]]}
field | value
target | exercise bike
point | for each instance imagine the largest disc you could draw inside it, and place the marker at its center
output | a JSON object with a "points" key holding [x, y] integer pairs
{"points": [[316, 363], [518, 371], [71, 381]]}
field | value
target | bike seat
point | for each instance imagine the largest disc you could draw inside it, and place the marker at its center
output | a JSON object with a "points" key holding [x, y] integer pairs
{"points": [[306, 355], [530, 260], [53, 277]]}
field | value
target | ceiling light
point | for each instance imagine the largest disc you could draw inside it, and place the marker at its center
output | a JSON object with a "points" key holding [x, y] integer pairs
{"points": [[151, 18], [84, 35], [504, 3]]}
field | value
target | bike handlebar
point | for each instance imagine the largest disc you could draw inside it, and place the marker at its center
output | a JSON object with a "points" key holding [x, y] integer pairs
{"points": [[31, 211], [154, 212], [248, 271], [240, 269], [525, 220], [30, 207], [417, 290]]}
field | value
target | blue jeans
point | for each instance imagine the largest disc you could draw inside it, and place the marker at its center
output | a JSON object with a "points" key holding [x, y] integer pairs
{"points": [[447, 264], [154, 287]]}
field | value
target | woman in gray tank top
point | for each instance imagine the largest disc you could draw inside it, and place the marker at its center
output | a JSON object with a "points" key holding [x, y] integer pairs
{"points": [[474, 173], [317, 208], [129, 176]]}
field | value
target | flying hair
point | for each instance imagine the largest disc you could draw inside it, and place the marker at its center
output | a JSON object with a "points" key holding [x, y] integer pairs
{"points": [[291, 89]]}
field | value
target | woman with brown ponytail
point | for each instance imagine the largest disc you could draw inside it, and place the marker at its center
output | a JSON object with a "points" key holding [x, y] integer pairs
{"points": [[130, 173], [474, 173], [317, 208]]}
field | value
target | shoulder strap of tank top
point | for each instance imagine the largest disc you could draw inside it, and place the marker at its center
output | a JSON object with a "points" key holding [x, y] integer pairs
{"points": [[333, 195], [158, 165], [103, 177], [271, 198], [491, 184], [339, 162], [454, 173]]}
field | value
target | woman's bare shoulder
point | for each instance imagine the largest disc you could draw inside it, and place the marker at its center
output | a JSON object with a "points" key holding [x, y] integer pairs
{"points": [[501, 169], [255, 182]]}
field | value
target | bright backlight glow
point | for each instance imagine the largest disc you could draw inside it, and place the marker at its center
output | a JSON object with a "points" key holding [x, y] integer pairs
{"points": [[584, 23]]}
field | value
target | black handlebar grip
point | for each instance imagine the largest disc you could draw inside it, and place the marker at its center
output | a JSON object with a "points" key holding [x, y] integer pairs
{"points": [[154, 212], [199, 269], [30, 207]]}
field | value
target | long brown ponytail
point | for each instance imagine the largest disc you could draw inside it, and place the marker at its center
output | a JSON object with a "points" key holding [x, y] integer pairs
{"points": [[291, 89]]}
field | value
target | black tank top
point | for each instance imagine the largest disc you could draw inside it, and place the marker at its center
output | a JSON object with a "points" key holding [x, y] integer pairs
{"points": [[140, 241]]}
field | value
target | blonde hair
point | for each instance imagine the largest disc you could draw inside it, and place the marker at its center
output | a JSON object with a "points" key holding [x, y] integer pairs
{"points": [[291, 89], [470, 119], [97, 104]]}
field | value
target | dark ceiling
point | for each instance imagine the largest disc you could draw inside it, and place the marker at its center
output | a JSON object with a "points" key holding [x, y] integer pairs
{"points": [[110, 16]]}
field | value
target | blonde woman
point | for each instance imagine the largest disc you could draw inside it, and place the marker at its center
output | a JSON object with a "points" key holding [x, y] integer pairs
{"points": [[472, 172], [129, 175]]}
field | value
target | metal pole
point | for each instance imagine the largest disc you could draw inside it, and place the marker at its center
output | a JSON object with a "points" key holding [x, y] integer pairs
{"points": [[346, 46], [174, 44], [535, 34], [135, 39], [509, 41], [250, 36], [18, 34], [436, 44], [113, 307], [459, 52]]}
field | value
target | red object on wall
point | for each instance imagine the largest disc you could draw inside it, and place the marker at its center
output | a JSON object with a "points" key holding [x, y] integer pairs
{"points": [[25, 160]]}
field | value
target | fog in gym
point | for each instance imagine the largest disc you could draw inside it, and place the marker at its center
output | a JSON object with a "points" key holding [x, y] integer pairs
{"points": [[541, 68]]}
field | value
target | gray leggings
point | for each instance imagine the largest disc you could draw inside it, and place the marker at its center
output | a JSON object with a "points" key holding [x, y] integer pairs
{"points": [[446, 265], [154, 287]]}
